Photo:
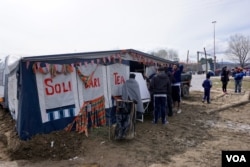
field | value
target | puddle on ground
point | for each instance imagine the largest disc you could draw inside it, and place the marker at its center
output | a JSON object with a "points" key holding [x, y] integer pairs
{"points": [[235, 126]]}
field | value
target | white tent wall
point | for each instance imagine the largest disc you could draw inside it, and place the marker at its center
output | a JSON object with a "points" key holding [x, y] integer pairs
{"points": [[9, 66], [2, 67], [118, 75], [2, 76], [98, 86], [65, 90], [12, 100]]}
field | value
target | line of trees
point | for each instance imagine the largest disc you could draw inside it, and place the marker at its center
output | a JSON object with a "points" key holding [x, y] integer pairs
{"points": [[238, 51]]}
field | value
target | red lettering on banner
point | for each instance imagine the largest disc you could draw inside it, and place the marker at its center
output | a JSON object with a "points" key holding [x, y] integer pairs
{"points": [[118, 79], [66, 88], [57, 88], [49, 90], [95, 82]]}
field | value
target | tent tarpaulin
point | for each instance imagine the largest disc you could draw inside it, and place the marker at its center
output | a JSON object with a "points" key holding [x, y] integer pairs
{"points": [[53, 90]]}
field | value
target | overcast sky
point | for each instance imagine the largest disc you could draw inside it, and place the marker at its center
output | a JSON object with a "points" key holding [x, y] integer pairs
{"points": [[40, 27]]}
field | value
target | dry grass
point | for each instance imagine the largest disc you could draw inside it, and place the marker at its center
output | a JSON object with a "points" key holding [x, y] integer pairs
{"points": [[245, 83]]}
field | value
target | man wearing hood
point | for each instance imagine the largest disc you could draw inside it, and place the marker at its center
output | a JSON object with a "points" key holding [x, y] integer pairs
{"points": [[125, 120], [131, 91], [160, 86]]}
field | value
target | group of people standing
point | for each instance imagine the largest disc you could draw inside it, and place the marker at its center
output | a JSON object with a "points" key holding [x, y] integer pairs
{"points": [[237, 74], [165, 89]]}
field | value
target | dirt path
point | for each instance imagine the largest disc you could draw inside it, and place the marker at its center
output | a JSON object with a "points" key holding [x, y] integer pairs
{"points": [[195, 137]]}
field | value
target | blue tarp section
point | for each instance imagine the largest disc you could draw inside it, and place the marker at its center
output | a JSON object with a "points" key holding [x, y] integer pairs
{"points": [[29, 120]]}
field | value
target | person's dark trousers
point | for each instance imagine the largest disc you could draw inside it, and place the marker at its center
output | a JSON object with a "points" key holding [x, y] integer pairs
{"points": [[169, 106], [207, 95], [151, 103], [224, 86], [160, 105]]}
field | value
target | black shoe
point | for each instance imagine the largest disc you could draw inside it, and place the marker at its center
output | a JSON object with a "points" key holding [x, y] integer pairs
{"points": [[170, 114]]}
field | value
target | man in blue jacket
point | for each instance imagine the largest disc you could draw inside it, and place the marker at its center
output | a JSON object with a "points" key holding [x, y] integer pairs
{"points": [[176, 86], [238, 80]]}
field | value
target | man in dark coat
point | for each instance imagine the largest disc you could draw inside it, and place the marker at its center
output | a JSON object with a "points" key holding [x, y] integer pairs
{"points": [[224, 78], [160, 86], [176, 86]]}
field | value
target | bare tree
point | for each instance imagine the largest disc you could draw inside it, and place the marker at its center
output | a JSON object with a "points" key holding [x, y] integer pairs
{"points": [[169, 54], [239, 49]]}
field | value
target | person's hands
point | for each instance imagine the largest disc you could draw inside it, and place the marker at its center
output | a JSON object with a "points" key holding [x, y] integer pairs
{"points": [[135, 101]]}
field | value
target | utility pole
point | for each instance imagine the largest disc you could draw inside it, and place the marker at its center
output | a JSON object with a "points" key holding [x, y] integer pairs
{"points": [[187, 56], [214, 47], [205, 59]]}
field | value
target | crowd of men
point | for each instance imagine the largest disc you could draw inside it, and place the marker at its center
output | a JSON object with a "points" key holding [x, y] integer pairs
{"points": [[165, 90]]}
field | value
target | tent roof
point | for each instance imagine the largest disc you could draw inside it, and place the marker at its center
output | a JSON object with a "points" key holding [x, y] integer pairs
{"points": [[88, 55]]}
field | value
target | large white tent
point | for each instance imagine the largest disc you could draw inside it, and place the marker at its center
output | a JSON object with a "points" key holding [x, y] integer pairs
{"points": [[47, 93]]}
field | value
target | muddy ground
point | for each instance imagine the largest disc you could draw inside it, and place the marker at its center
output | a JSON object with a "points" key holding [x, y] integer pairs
{"points": [[194, 137]]}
